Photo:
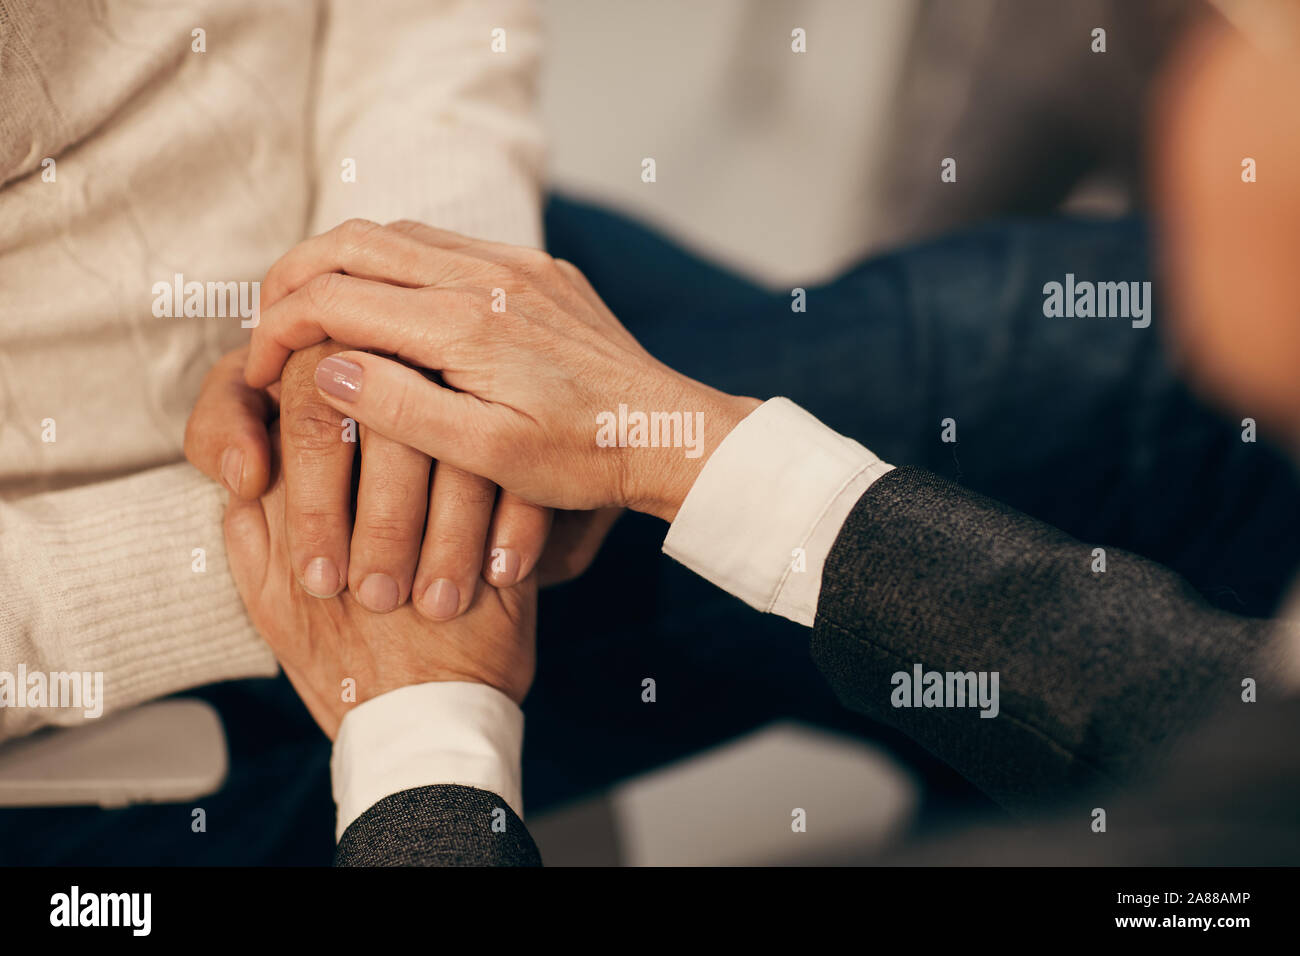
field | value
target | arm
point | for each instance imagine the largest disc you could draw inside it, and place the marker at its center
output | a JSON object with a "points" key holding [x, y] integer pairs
{"points": [[1096, 670], [104, 579], [901, 568], [441, 128], [954, 574]]}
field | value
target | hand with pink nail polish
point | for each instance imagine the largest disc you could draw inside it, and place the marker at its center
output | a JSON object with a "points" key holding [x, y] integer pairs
{"points": [[409, 528], [538, 386]]}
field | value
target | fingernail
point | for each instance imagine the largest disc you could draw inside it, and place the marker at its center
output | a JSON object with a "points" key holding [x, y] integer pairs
{"points": [[321, 579], [232, 468], [378, 593], [503, 567], [442, 599], [339, 377]]}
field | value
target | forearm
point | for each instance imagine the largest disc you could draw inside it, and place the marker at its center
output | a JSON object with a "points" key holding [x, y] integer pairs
{"points": [[418, 118], [1096, 671], [901, 570]]}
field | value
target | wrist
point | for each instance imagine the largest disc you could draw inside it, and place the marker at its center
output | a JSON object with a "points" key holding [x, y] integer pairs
{"points": [[659, 479]]}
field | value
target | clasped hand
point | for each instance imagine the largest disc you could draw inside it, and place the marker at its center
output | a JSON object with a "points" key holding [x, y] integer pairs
{"points": [[474, 406]]}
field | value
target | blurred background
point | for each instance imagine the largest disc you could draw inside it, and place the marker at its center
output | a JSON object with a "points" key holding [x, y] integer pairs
{"points": [[788, 167]]}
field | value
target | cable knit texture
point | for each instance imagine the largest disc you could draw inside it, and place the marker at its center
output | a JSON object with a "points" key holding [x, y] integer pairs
{"points": [[127, 157]]}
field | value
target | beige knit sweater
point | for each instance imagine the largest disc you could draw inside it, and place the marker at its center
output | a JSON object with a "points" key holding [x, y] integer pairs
{"points": [[209, 164]]}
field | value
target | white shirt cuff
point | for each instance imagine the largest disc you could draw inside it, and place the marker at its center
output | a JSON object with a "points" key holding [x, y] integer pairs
{"points": [[767, 506], [442, 732]]}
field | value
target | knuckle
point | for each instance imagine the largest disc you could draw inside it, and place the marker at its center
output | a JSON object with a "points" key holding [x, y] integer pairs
{"points": [[299, 375], [535, 266], [574, 276], [312, 426], [315, 515], [452, 554], [475, 306], [472, 494], [295, 369], [362, 233], [313, 529], [388, 532], [356, 229], [323, 290], [459, 523]]}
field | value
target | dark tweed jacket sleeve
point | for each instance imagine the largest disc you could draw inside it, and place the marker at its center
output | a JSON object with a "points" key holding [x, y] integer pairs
{"points": [[1097, 671], [443, 825]]}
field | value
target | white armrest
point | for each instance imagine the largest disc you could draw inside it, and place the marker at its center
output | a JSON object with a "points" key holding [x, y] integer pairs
{"points": [[167, 751]]}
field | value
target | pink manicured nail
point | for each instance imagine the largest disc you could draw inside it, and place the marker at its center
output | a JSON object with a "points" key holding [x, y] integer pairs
{"points": [[321, 579], [378, 593], [442, 600], [339, 377], [232, 468]]}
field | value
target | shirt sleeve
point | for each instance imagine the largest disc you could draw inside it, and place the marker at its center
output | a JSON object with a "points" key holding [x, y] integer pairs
{"points": [[441, 732], [767, 506]]}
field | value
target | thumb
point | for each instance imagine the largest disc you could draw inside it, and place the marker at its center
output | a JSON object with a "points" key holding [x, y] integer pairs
{"points": [[225, 437], [401, 404]]}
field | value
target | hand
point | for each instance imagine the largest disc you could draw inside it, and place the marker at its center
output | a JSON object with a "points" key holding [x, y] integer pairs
{"points": [[322, 643], [465, 527], [526, 389]]}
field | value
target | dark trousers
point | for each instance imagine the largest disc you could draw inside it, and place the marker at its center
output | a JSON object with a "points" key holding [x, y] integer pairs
{"points": [[1080, 422]]}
